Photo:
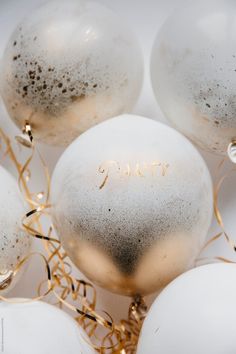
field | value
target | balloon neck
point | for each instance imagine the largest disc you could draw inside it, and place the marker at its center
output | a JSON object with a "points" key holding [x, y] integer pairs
{"points": [[232, 151], [138, 308], [6, 279], [26, 138]]}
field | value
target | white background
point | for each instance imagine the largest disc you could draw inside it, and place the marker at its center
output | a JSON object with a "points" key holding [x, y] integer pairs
{"points": [[145, 17]]}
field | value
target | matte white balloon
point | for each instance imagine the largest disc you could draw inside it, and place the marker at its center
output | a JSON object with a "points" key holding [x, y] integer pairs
{"points": [[14, 241], [132, 203], [193, 71], [39, 328], [194, 314], [68, 66]]}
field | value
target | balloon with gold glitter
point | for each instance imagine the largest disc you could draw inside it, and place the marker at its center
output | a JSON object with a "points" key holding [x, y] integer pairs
{"points": [[68, 66], [132, 203], [41, 328], [193, 71], [14, 241]]}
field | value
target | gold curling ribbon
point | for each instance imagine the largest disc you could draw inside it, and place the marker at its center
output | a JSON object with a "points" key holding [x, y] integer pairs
{"points": [[76, 295], [219, 219]]}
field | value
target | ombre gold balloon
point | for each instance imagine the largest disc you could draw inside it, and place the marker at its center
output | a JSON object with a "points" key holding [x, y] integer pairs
{"points": [[193, 71], [68, 66], [132, 203]]}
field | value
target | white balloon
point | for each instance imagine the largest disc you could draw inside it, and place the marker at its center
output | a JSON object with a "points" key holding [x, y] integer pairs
{"points": [[14, 241], [39, 328], [132, 203], [193, 71], [68, 66], [194, 314]]}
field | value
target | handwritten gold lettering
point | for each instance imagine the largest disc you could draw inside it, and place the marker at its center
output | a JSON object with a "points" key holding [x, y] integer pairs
{"points": [[155, 168]]}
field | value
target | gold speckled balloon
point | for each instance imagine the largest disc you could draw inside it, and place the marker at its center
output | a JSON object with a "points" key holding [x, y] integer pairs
{"points": [[68, 66], [193, 70], [132, 203]]}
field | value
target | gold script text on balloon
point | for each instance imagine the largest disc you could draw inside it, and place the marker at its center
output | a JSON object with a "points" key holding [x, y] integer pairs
{"points": [[154, 168]]}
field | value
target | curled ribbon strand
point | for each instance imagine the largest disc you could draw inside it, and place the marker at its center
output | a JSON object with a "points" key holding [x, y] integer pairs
{"points": [[219, 219]]}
